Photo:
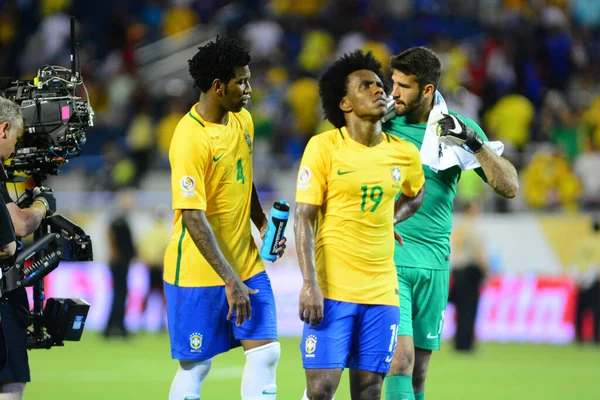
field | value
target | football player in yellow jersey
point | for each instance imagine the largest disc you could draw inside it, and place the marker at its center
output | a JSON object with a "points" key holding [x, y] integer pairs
{"points": [[355, 183], [214, 277]]}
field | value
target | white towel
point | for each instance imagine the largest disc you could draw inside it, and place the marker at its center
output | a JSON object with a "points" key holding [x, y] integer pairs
{"points": [[437, 153]]}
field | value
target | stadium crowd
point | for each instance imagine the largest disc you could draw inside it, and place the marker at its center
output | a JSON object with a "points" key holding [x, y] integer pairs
{"points": [[527, 71]]}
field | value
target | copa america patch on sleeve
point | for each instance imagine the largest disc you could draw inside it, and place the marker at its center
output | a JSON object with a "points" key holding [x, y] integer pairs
{"points": [[304, 177], [188, 186]]}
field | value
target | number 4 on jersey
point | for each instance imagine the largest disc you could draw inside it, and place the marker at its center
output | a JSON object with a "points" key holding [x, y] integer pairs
{"points": [[240, 171]]}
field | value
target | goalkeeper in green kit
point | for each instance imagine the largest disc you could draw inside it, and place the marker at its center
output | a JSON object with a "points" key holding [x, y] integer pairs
{"points": [[422, 263]]}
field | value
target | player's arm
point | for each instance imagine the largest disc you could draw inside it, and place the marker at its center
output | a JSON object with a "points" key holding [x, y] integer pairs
{"points": [[501, 175], [257, 215], [310, 190], [311, 298], [406, 206], [201, 232], [413, 188]]}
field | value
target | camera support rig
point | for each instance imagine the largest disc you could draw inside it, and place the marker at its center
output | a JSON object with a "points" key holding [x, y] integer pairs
{"points": [[55, 120]]}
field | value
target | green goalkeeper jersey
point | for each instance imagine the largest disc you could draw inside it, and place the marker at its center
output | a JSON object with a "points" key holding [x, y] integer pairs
{"points": [[427, 233]]}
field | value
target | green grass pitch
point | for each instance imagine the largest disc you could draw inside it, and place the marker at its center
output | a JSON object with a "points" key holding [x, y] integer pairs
{"points": [[140, 368]]}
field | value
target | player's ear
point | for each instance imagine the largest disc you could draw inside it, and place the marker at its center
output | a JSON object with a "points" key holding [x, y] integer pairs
{"points": [[428, 91], [219, 87], [345, 105]]}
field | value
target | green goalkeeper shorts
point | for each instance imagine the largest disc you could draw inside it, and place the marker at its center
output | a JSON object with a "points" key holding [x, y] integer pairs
{"points": [[423, 299]]}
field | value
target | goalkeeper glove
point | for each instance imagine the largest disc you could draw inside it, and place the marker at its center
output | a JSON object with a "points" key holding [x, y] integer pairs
{"points": [[459, 134]]}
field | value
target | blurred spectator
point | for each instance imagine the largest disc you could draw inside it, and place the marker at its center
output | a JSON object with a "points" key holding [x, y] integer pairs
{"points": [[510, 119], [317, 48], [559, 125], [178, 19], [140, 136], [549, 182], [586, 167], [152, 246], [166, 126], [585, 269], [115, 172], [469, 267], [122, 251]]}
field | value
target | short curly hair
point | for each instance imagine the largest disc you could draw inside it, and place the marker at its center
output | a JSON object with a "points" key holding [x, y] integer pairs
{"points": [[217, 60], [333, 85], [421, 62]]}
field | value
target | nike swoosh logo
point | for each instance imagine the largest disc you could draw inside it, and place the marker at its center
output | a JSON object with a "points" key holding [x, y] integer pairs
{"points": [[430, 336], [344, 172], [267, 392], [388, 359], [215, 159], [457, 128]]}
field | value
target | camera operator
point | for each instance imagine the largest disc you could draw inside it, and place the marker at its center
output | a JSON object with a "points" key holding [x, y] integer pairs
{"points": [[14, 308]]}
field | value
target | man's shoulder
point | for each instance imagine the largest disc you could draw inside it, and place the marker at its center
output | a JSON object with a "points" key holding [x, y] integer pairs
{"points": [[327, 138], [402, 144]]}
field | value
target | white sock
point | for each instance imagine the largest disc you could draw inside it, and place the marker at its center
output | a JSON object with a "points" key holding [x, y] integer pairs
{"points": [[188, 380], [305, 395], [258, 381]]}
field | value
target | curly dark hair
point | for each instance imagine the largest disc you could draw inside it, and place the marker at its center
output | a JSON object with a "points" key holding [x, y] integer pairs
{"points": [[420, 62], [333, 84], [217, 60]]}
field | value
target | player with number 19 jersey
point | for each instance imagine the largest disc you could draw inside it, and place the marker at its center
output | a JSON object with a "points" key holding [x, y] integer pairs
{"points": [[355, 187]]}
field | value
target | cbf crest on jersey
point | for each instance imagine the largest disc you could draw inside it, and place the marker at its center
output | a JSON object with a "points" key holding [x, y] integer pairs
{"points": [[396, 174], [248, 140], [310, 345], [195, 342]]}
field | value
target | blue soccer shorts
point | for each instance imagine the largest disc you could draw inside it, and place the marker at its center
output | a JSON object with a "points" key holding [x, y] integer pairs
{"points": [[197, 319], [357, 336]]}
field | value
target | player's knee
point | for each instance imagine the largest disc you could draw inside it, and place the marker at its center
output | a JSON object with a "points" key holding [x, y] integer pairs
{"points": [[320, 390], [371, 391], [259, 380], [197, 370], [265, 356], [403, 361], [188, 379]]}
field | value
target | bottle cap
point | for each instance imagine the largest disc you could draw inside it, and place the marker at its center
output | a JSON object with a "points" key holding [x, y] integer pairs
{"points": [[282, 201]]}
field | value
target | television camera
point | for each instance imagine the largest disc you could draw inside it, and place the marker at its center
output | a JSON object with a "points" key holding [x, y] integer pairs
{"points": [[56, 119]]}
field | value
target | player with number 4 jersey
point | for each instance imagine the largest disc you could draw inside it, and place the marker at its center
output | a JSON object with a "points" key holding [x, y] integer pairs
{"points": [[218, 294], [348, 183]]}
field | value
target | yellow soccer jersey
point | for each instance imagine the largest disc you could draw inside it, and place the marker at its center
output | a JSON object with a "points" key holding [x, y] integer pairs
{"points": [[356, 187], [211, 170]]}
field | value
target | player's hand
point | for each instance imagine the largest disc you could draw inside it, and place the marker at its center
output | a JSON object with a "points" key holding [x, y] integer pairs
{"points": [[398, 238], [263, 229], [458, 134], [46, 198], [311, 304], [281, 249], [238, 298]]}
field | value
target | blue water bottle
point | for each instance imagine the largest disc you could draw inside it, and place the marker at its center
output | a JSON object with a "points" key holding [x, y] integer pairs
{"points": [[278, 218]]}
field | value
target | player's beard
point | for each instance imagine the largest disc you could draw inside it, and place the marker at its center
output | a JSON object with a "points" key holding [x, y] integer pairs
{"points": [[412, 106]]}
